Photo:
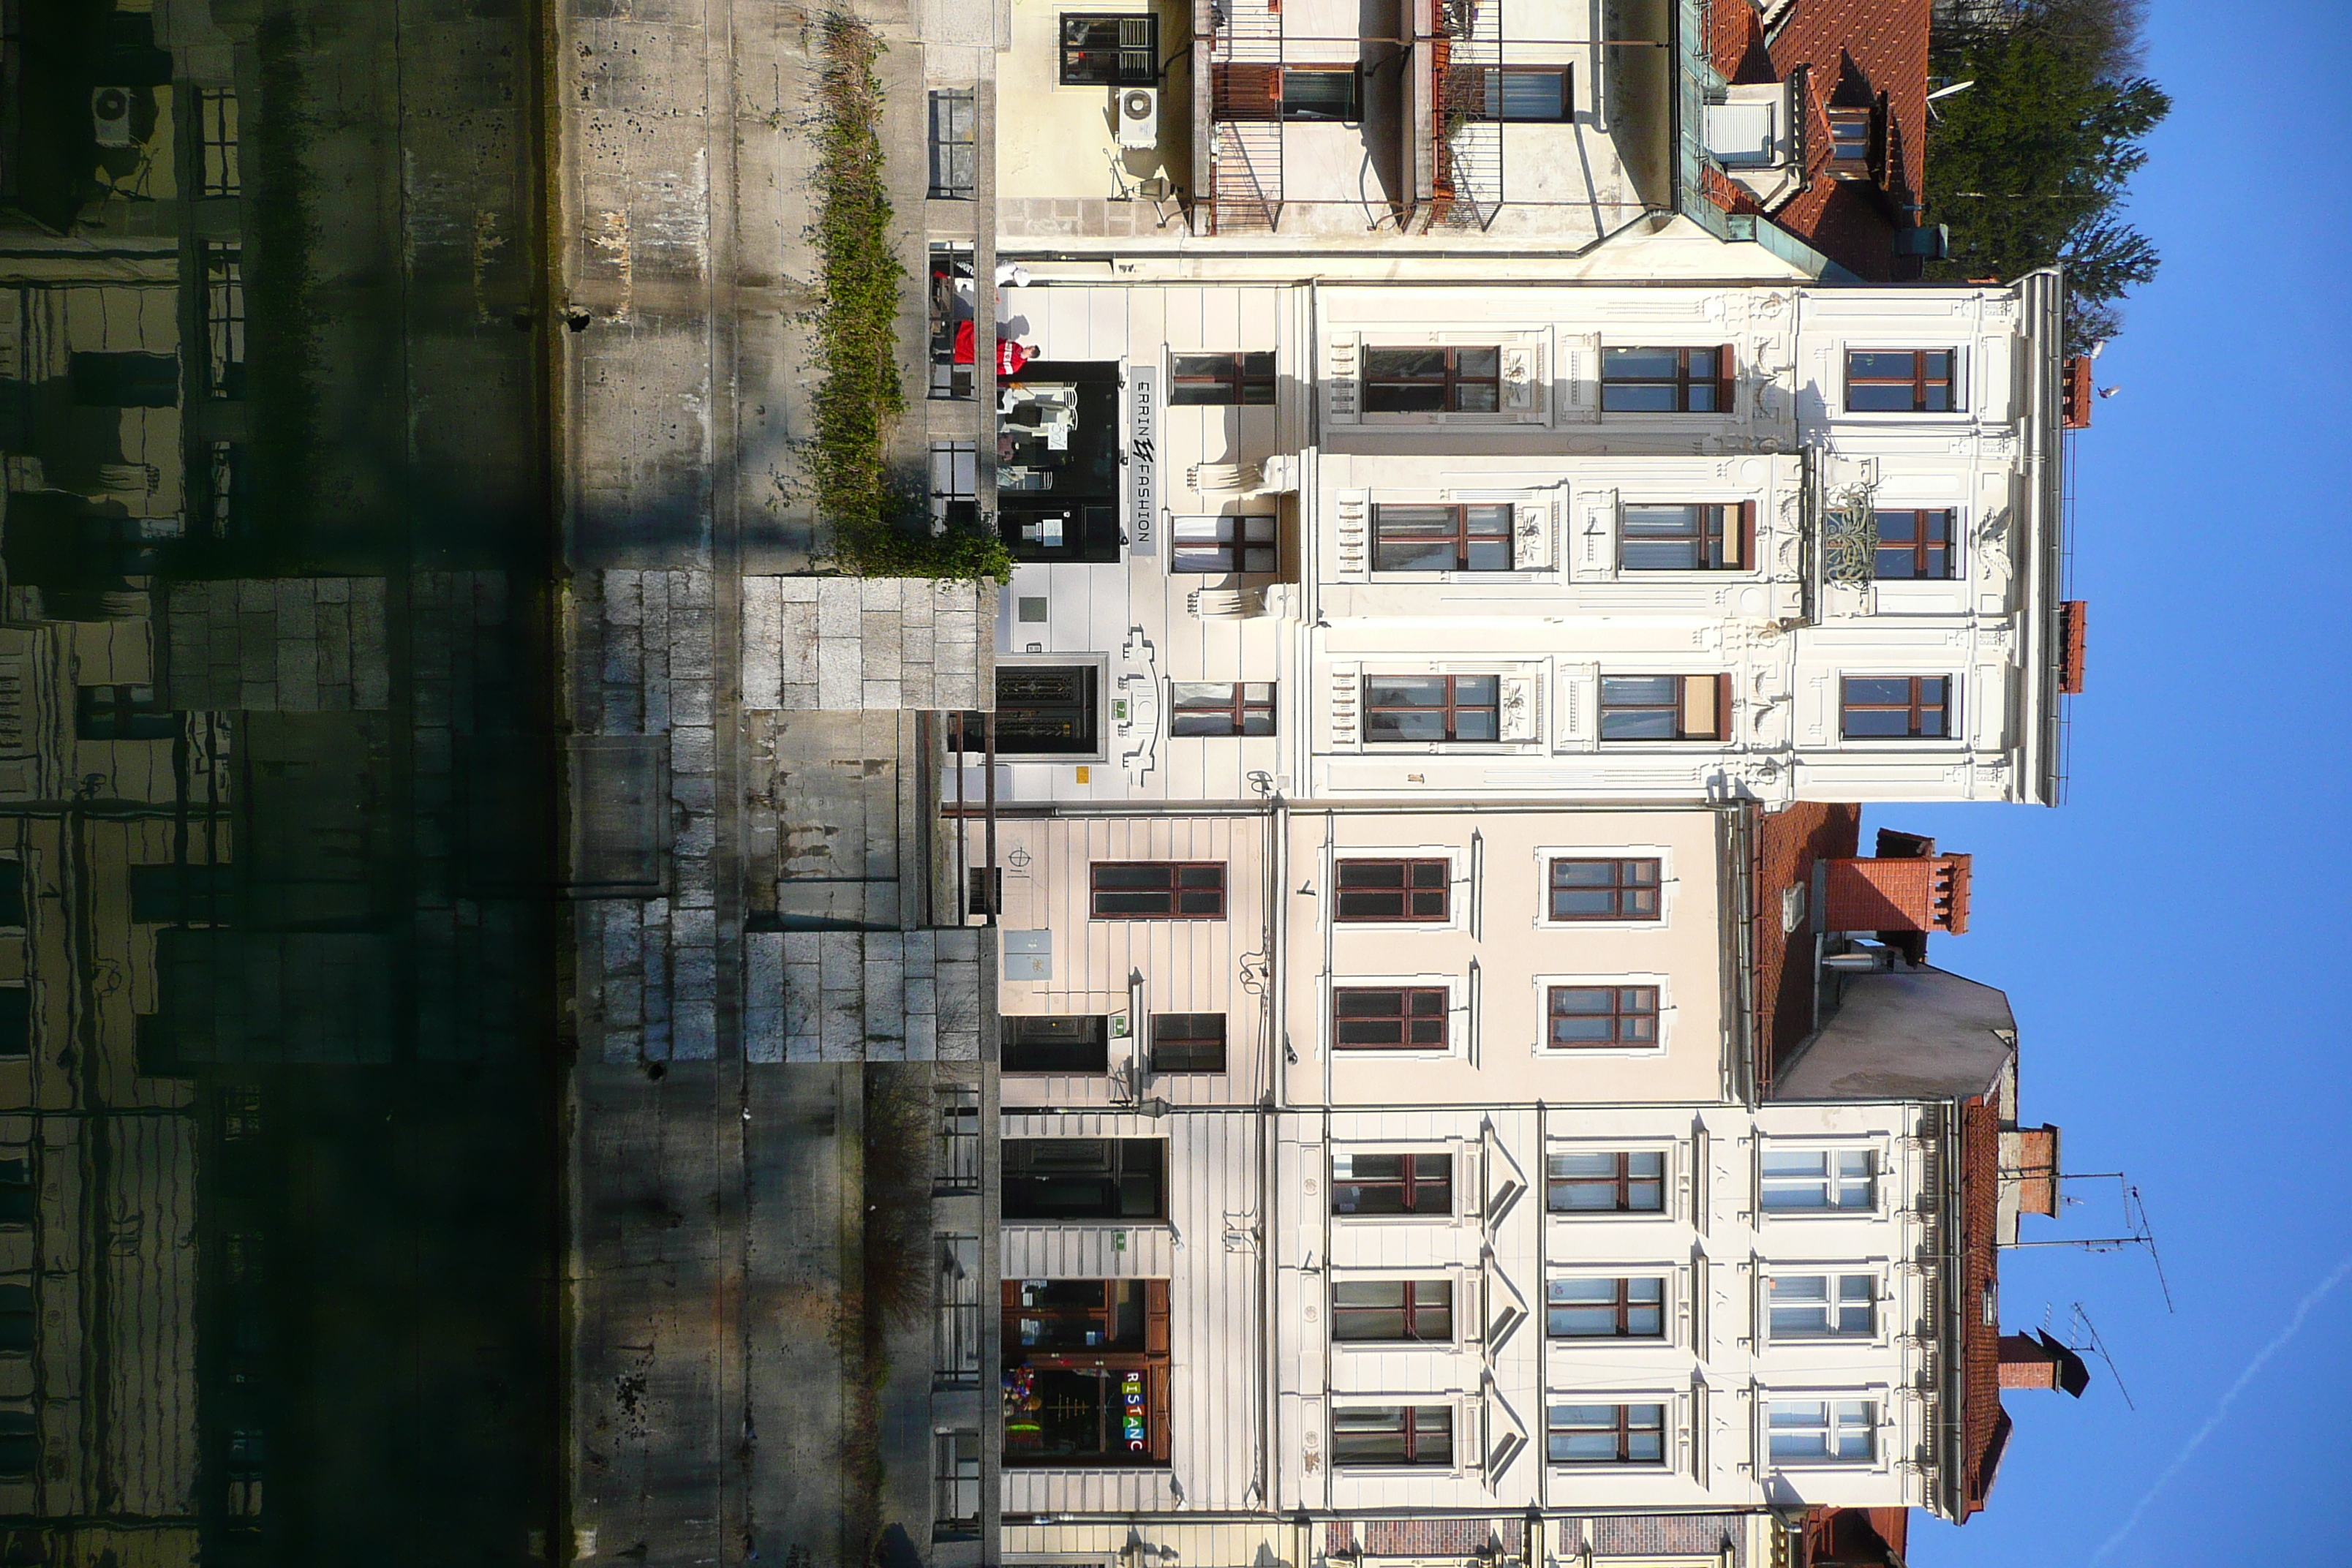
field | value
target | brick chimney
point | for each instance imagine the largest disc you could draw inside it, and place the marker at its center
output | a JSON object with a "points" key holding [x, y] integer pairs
{"points": [[2037, 1361], [1912, 890], [2074, 395], [2028, 1158]]}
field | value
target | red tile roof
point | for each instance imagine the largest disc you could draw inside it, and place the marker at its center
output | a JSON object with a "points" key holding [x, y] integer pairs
{"points": [[1984, 1426], [1784, 844], [1855, 53]]}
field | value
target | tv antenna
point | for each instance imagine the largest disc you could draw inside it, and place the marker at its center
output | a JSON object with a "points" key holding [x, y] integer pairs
{"points": [[2138, 1231], [2082, 1334]]}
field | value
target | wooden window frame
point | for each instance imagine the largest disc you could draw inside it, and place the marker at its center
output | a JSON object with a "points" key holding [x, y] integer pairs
{"points": [[1838, 163], [1447, 382], [1409, 890], [1124, 70], [1409, 1015], [1679, 708], [1412, 1429], [1408, 1184], [1721, 382], [1920, 547], [1625, 1429], [1461, 537], [1246, 707], [1626, 1007], [1222, 378], [1722, 536], [1915, 707], [1621, 1309], [1163, 1027], [1453, 708], [1622, 1181], [1231, 554], [1410, 1308], [1621, 888], [1200, 893], [1920, 384]]}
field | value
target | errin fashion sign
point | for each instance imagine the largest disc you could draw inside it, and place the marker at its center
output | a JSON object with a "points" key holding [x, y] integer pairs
{"points": [[1143, 459]]}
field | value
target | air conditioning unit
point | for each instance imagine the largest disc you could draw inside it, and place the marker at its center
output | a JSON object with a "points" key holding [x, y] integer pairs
{"points": [[1139, 118], [110, 116]]}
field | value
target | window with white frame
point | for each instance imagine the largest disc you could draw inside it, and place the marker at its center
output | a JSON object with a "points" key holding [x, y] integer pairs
{"points": [[1823, 1306], [1820, 1180], [1606, 1434], [1900, 381], [1606, 1181], [1224, 544], [1430, 537], [1601, 1017], [1823, 1431], [1604, 890], [1689, 536], [1626, 1307]]}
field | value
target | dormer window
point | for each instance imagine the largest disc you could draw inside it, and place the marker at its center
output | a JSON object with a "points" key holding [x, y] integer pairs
{"points": [[1850, 138]]}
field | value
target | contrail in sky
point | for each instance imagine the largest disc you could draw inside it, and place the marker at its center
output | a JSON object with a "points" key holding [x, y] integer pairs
{"points": [[2254, 1368]]}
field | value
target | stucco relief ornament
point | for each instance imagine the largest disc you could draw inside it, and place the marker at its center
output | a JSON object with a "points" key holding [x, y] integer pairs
{"points": [[1515, 707]]}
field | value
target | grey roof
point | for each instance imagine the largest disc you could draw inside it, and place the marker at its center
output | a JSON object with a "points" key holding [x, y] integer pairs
{"points": [[1907, 1034]]}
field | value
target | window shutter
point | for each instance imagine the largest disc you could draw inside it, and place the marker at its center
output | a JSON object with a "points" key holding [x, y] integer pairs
{"points": [[1579, 702], [1155, 1317], [1353, 515], [1247, 91], [1347, 706], [1521, 718], [1343, 391], [1727, 379], [1579, 375], [1748, 536], [1531, 538]]}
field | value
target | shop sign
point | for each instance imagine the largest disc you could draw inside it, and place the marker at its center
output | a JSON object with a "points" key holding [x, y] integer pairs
{"points": [[1143, 461]]}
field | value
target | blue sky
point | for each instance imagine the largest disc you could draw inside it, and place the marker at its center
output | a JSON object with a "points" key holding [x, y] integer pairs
{"points": [[2173, 939]]}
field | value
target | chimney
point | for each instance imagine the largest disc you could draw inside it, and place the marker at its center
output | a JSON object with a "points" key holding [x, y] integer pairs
{"points": [[1907, 894], [2074, 395], [2037, 1361], [2074, 622], [2029, 1160]]}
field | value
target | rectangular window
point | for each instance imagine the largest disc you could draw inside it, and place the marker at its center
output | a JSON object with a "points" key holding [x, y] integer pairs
{"points": [[1606, 890], [1432, 381], [223, 493], [1665, 380], [1408, 708], [1158, 889], [1850, 143], [1627, 1309], [1085, 1178], [1085, 1372], [1416, 1311], [1440, 538], [1110, 51], [1220, 379], [218, 171], [1058, 1315], [124, 379], [1585, 1017], [1310, 94], [1606, 1434], [1665, 706], [956, 1332], [17, 1318], [1393, 891], [1042, 710], [1820, 1180], [12, 892], [1222, 708], [183, 895], [952, 292], [1366, 1186], [1214, 545], [1373, 1435], [16, 1022], [1899, 381], [1914, 543], [225, 321], [16, 1192], [955, 482], [1841, 1431], [1897, 707], [953, 112], [1692, 537], [1521, 92], [1056, 1044], [1621, 1181], [1389, 1017], [955, 1483], [957, 1167], [1188, 1042], [124, 713], [1824, 1306]]}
